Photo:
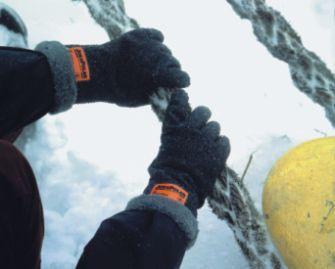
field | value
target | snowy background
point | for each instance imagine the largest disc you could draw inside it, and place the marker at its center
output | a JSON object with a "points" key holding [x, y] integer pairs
{"points": [[91, 160]]}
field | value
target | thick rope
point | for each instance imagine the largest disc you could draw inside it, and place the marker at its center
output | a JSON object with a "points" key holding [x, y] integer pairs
{"points": [[309, 73], [230, 199]]}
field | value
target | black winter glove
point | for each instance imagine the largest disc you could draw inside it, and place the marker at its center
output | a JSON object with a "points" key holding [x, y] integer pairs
{"points": [[125, 71], [192, 154], [128, 70]]}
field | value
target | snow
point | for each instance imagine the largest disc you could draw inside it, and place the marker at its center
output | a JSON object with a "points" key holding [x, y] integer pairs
{"points": [[10, 38], [91, 160]]}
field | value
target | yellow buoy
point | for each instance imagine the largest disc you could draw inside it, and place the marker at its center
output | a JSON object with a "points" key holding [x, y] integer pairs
{"points": [[299, 205]]}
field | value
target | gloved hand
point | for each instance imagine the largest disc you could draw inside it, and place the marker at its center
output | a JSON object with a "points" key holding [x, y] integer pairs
{"points": [[125, 71], [191, 157], [128, 70]]}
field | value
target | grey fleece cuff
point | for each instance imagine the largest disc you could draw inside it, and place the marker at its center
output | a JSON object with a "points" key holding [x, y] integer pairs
{"points": [[180, 214], [62, 70]]}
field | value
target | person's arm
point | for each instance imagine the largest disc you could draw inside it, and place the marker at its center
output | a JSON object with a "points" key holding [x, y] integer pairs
{"points": [[125, 72], [26, 88], [136, 239], [158, 227]]}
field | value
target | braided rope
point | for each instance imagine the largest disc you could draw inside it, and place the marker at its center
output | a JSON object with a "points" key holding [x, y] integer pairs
{"points": [[230, 199], [309, 73]]}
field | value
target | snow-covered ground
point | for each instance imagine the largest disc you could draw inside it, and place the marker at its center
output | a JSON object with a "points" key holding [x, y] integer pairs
{"points": [[91, 160]]}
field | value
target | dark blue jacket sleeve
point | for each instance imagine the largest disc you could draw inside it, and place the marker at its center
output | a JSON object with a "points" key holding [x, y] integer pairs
{"points": [[135, 239], [26, 88]]}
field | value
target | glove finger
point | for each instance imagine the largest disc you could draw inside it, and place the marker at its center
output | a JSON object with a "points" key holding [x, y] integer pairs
{"points": [[164, 50], [168, 71], [224, 145], [172, 78], [178, 110], [155, 35], [147, 33], [200, 116], [165, 59], [212, 130]]}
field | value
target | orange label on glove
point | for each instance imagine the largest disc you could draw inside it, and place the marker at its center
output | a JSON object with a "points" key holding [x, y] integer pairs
{"points": [[171, 191], [80, 64]]}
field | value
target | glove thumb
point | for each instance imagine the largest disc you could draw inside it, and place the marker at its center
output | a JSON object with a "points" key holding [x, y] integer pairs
{"points": [[178, 110]]}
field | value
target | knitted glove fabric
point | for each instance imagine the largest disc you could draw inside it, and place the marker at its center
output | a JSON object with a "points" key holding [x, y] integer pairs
{"points": [[128, 70], [125, 71], [192, 153]]}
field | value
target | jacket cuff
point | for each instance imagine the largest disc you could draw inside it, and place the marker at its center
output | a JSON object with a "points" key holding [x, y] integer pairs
{"points": [[62, 70], [179, 213]]}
